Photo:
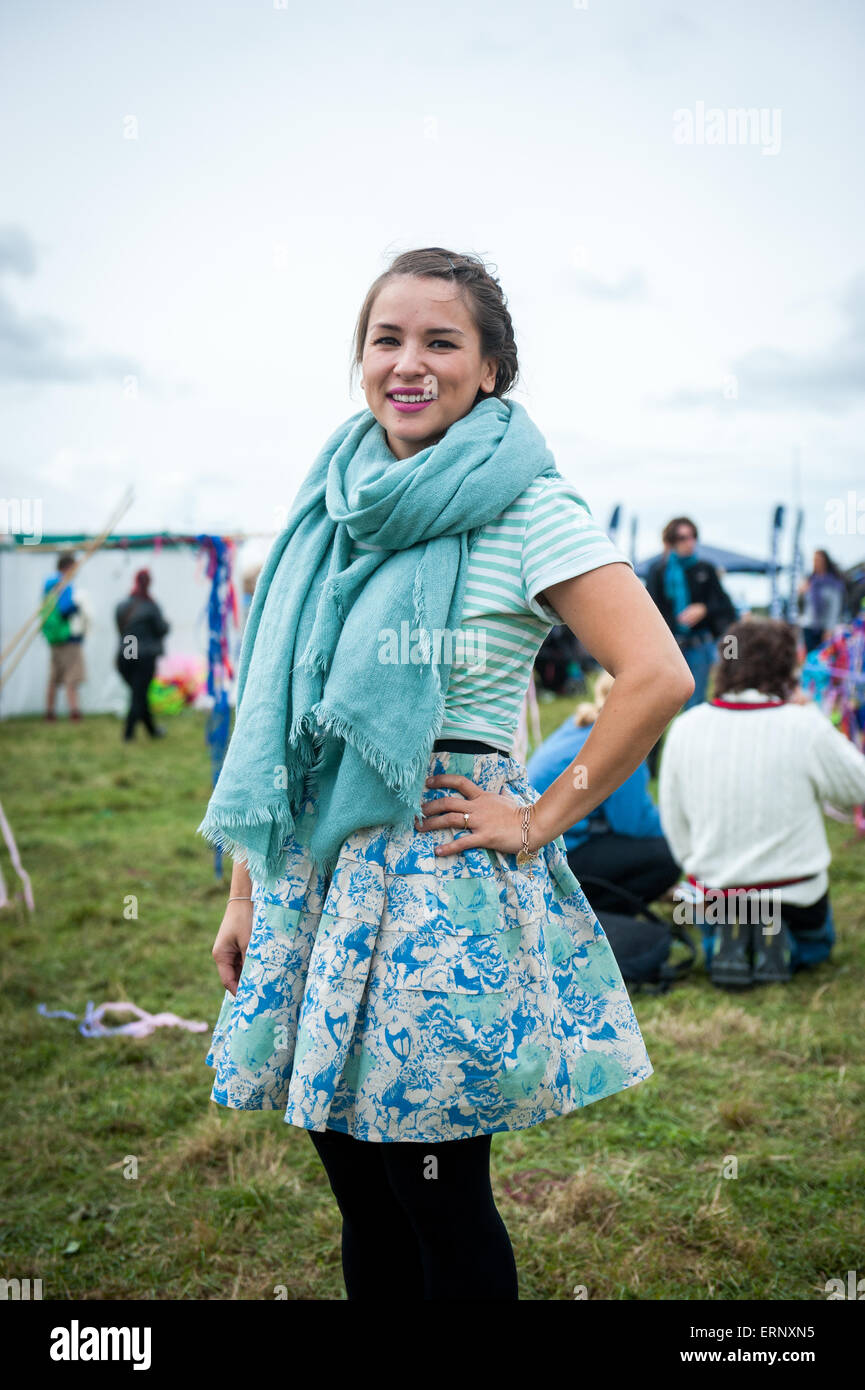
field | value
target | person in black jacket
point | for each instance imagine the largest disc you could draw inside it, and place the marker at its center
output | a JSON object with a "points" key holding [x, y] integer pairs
{"points": [[142, 628], [696, 607], [691, 598]]}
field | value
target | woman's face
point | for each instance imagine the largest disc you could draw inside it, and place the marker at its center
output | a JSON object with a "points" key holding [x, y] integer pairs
{"points": [[684, 540], [819, 562], [422, 341]]}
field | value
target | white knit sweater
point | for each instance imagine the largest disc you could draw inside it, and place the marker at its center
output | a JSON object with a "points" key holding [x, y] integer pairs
{"points": [[741, 793]]}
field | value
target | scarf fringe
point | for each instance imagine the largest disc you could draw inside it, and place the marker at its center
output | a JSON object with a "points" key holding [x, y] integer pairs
{"points": [[250, 815], [401, 777], [314, 661], [305, 741], [219, 821], [219, 835]]}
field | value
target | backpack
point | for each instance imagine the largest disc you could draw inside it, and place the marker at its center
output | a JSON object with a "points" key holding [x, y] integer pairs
{"points": [[642, 947], [54, 624]]}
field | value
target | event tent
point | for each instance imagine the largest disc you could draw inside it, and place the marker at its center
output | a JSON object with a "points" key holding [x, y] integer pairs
{"points": [[179, 584], [731, 561]]}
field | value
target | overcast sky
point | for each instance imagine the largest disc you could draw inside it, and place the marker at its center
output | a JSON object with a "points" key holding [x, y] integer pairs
{"points": [[196, 197]]}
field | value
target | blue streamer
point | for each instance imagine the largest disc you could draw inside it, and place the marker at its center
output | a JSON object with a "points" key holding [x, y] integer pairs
{"points": [[219, 719]]}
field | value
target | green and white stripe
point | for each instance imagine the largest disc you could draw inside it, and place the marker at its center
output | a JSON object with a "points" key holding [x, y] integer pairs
{"points": [[546, 535]]}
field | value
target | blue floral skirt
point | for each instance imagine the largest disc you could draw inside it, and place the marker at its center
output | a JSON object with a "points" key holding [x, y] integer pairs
{"points": [[421, 997]]}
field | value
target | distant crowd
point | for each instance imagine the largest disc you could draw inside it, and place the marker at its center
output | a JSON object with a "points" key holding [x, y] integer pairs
{"points": [[744, 775]]}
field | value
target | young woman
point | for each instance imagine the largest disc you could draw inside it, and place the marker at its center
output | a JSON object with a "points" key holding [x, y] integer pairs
{"points": [[141, 627], [824, 595], [410, 966]]}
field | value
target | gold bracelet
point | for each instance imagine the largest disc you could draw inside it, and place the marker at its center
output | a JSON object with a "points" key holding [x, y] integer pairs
{"points": [[526, 855]]}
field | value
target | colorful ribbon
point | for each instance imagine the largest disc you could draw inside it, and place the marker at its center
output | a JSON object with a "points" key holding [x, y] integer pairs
{"points": [[222, 604], [834, 675], [141, 1027]]}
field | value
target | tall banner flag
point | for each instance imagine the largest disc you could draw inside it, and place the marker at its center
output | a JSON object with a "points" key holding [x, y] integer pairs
{"points": [[776, 607], [795, 569], [221, 606]]}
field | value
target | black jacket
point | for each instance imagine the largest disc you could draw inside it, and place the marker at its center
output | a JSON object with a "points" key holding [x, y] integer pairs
{"points": [[704, 586], [141, 618]]}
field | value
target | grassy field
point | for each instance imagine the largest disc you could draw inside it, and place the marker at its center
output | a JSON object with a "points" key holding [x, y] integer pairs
{"points": [[625, 1196]]}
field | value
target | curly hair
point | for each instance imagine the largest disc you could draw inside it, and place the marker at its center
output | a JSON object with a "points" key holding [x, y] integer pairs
{"points": [[484, 298], [763, 656]]}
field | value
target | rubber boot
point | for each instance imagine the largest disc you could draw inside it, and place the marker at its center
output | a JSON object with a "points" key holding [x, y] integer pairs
{"points": [[731, 965], [773, 955]]}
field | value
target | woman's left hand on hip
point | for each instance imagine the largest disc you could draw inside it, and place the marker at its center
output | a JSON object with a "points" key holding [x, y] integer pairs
{"points": [[495, 820]]}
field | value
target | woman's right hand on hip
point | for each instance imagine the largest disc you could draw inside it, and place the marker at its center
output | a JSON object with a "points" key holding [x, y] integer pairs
{"points": [[232, 939]]}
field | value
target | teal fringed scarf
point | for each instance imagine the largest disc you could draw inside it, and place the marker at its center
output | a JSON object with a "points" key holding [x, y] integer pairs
{"points": [[313, 690], [676, 585]]}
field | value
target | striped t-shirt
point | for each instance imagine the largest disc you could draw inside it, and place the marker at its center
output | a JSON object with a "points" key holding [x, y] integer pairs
{"points": [[546, 535]]}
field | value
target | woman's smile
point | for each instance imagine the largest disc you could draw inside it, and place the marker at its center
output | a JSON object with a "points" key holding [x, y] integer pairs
{"points": [[410, 400], [422, 356]]}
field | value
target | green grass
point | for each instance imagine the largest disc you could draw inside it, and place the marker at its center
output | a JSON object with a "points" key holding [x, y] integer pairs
{"points": [[625, 1196]]}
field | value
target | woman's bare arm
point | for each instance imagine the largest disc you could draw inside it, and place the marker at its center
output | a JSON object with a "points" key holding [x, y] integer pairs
{"points": [[614, 618], [232, 939], [241, 883]]}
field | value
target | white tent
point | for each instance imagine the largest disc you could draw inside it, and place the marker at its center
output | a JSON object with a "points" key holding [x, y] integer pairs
{"points": [[179, 585]]}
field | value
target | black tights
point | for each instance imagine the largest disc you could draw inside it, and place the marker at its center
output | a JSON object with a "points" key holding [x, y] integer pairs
{"points": [[418, 1220]]}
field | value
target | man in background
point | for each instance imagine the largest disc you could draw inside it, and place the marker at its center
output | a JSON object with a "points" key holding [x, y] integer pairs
{"points": [[63, 625]]}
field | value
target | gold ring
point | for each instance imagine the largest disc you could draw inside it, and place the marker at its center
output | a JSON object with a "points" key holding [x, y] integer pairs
{"points": [[466, 819]]}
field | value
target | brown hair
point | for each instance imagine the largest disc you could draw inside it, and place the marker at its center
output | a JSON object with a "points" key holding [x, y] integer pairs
{"points": [[764, 658], [668, 535], [831, 567], [483, 296]]}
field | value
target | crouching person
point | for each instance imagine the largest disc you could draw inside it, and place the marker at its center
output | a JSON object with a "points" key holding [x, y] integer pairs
{"points": [[741, 789]]}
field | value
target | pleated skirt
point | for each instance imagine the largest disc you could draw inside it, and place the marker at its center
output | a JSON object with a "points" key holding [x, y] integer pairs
{"points": [[413, 996]]}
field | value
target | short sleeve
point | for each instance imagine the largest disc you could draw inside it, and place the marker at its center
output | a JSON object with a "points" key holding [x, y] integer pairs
{"points": [[561, 540]]}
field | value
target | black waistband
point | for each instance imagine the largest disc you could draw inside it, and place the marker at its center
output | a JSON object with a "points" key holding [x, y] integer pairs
{"points": [[467, 745]]}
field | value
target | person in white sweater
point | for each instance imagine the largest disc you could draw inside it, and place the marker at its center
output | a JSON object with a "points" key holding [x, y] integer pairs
{"points": [[742, 783]]}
